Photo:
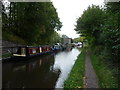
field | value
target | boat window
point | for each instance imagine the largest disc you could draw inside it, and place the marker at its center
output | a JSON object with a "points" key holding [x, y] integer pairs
{"points": [[40, 49], [23, 51], [34, 51]]}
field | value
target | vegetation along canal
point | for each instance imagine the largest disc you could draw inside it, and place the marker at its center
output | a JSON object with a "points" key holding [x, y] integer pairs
{"points": [[40, 72]]}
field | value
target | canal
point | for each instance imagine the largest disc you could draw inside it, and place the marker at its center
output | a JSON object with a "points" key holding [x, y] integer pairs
{"points": [[49, 71]]}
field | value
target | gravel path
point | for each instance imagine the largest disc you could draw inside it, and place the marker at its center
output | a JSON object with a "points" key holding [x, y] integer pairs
{"points": [[91, 80]]}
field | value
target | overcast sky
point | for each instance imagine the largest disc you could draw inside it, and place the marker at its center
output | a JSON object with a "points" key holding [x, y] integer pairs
{"points": [[69, 11]]}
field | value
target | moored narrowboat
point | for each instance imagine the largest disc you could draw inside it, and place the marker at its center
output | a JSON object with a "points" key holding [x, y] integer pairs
{"points": [[32, 51], [29, 51], [25, 52]]}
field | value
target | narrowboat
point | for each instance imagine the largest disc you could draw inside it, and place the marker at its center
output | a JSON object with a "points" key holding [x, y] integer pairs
{"points": [[29, 51], [26, 52]]}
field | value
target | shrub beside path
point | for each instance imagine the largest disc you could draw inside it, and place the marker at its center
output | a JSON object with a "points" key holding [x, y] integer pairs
{"points": [[90, 80]]}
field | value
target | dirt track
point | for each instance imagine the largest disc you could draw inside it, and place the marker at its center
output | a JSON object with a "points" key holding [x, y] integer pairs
{"points": [[91, 80]]}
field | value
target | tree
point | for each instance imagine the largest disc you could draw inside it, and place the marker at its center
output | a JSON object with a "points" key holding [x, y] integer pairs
{"points": [[111, 31], [81, 39], [34, 22], [56, 38], [101, 27], [90, 23]]}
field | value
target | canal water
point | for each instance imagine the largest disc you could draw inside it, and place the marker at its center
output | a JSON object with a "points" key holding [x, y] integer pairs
{"points": [[49, 71]]}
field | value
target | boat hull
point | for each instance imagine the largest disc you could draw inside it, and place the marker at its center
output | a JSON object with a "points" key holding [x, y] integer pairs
{"points": [[19, 58]]}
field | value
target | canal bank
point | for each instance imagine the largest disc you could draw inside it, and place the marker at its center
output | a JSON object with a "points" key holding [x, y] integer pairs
{"points": [[8, 47], [76, 76], [48, 71], [92, 72], [106, 71]]}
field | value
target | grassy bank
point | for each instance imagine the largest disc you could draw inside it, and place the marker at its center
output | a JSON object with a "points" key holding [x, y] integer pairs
{"points": [[75, 79], [13, 38], [6, 55], [104, 72]]}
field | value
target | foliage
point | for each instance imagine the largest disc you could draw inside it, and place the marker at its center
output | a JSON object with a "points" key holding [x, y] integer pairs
{"points": [[89, 24], [111, 31], [6, 55], [104, 73], [101, 27], [80, 39], [13, 38], [75, 79], [34, 22], [57, 38]]}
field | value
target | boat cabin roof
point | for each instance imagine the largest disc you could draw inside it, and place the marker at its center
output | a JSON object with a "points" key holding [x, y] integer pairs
{"points": [[33, 46]]}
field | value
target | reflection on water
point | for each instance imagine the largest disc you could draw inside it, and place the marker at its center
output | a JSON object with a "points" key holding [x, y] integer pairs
{"points": [[48, 71], [37, 73], [64, 61]]}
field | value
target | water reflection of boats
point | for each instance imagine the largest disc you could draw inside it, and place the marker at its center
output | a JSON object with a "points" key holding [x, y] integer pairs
{"points": [[33, 63], [38, 71]]}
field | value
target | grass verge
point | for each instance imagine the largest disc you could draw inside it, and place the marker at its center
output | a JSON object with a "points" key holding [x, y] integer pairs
{"points": [[104, 73], [13, 38], [6, 55], [75, 78]]}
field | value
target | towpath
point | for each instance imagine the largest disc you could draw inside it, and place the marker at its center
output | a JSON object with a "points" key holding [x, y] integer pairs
{"points": [[91, 80]]}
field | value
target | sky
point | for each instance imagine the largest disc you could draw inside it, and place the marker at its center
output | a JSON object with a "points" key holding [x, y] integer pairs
{"points": [[69, 11]]}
